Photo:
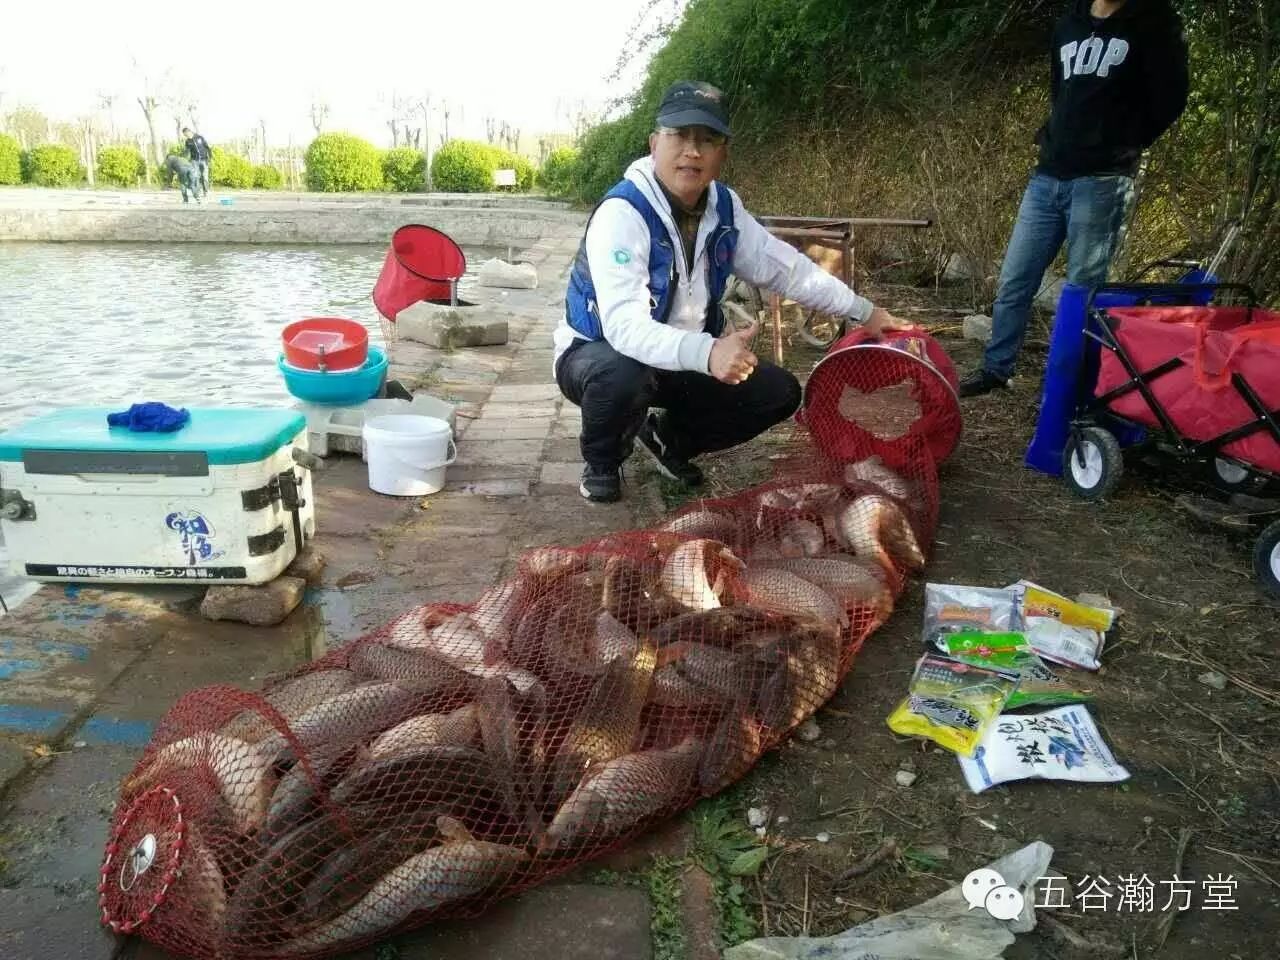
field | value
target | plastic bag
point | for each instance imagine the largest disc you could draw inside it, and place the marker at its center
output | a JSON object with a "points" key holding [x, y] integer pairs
{"points": [[1063, 630], [954, 608], [1062, 744], [952, 703], [1037, 684]]}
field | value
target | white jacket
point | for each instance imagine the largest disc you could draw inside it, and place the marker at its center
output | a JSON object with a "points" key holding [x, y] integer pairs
{"points": [[618, 254]]}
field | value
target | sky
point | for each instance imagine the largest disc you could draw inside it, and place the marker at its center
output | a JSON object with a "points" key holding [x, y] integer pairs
{"points": [[532, 63]]}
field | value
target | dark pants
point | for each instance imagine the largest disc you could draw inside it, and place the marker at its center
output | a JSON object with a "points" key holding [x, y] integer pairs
{"points": [[701, 413]]}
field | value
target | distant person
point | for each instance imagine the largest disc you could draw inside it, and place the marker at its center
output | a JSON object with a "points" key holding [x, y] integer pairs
{"points": [[185, 172], [1119, 80], [643, 325], [200, 154]]}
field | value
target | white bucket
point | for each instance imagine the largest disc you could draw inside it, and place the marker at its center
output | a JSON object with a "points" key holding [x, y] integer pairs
{"points": [[407, 454]]}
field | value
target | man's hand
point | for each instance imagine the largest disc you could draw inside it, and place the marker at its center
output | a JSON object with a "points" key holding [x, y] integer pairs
{"points": [[882, 321], [731, 358]]}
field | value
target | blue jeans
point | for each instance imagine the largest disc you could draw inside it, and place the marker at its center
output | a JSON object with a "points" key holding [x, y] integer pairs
{"points": [[1087, 213]]}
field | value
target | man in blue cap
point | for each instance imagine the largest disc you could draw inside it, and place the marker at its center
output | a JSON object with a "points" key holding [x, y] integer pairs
{"points": [[643, 326]]}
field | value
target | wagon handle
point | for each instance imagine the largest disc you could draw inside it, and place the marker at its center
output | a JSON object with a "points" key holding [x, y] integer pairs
{"points": [[1177, 290]]}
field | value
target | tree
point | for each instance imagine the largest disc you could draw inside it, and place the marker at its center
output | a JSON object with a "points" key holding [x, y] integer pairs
{"points": [[319, 113], [30, 126]]}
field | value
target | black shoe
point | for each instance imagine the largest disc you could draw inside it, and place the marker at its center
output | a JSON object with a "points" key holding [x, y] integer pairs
{"points": [[980, 381], [668, 463], [601, 484]]}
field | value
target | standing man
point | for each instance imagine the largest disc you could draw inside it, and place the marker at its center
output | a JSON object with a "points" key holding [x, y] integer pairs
{"points": [[1119, 80], [201, 155], [643, 326]]}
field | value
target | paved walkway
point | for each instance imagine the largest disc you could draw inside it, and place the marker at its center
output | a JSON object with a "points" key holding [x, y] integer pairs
{"points": [[86, 673]]}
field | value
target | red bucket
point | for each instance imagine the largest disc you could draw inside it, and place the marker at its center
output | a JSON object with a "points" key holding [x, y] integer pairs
{"points": [[883, 397], [325, 343], [422, 264]]}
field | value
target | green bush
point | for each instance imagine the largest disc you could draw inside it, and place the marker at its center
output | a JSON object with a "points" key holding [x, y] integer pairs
{"points": [[121, 166], [605, 152], [557, 173], [404, 169], [526, 172], [229, 170], [340, 161], [267, 177], [54, 165], [10, 160], [463, 166]]}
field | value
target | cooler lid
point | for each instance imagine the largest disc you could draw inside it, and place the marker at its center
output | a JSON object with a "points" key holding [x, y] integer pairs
{"points": [[224, 435]]}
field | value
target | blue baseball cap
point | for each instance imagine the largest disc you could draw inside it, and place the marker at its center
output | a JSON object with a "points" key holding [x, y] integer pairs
{"points": [[691, 103]]}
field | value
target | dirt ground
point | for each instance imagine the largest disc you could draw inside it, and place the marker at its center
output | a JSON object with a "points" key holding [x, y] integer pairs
{"points": [[1201, 759]]}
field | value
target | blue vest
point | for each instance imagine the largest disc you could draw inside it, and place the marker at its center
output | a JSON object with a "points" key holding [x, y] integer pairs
{"points": [[581, 309]]}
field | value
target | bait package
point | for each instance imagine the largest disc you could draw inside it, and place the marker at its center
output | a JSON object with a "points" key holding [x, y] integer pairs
{"points": [[1037, 684], [951, 703], [954, 608], [1063, 630], [1062, 744]]}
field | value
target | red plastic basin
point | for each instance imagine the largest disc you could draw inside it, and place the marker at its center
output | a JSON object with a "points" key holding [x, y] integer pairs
{"points": [[325, 343]]}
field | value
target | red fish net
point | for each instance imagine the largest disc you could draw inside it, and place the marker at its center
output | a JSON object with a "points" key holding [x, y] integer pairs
{"points": [[461, 753]]}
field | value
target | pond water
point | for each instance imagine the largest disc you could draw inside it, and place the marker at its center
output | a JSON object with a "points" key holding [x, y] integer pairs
{"points": [[186, 324]]}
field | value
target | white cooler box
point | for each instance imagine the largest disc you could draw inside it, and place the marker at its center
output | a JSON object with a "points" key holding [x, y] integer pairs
{"points": [[221, 499]]}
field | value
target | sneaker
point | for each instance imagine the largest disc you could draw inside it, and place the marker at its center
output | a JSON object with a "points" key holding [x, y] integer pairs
{"points": [[601, 484], [669, 465], [980, 381]]}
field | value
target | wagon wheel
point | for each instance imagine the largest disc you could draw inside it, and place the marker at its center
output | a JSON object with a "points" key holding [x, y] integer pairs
{"points": [[1266, 559], [821, 329], [1092, 463]]}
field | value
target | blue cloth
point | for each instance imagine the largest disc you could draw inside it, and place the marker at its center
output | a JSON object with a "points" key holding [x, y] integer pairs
{"points": [[1087, 214], [150, 418]]}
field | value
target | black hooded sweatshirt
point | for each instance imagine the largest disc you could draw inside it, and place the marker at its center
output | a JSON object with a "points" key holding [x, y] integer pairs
{"points": [[1118, 83]]}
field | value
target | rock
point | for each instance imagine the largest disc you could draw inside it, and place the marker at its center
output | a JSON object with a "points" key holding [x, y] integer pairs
{"points": [[905, 778], [757, 817], [808, 731], [308, 565], [1047, 298], [823, 837], [514, 276], [260, 606], [446, 327], [977, 327], [1213, 679], [960, 267]]}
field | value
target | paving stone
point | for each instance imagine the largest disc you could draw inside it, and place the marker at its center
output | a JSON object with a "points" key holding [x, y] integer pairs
{"points": [[561, 473], [13, 760], [515, 276], [492, 428], [263, 605], [519, 411], [462, 474], [566, 429], [521, 393], [563, 450], [561, 922], [347, 507], [491, 488], [499, 451], [440, 325], [42, 924], [57, 823]]}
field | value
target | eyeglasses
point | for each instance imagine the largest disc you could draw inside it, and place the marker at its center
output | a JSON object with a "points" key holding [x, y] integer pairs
{"points": [[702, 139]]}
